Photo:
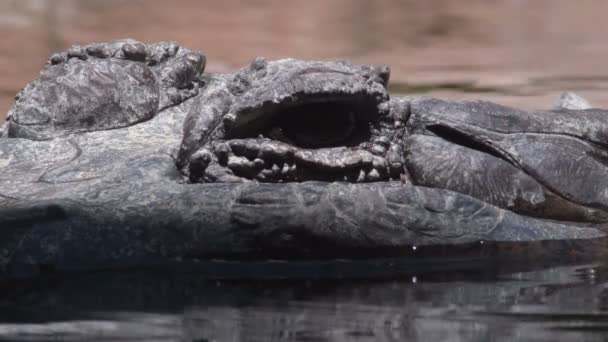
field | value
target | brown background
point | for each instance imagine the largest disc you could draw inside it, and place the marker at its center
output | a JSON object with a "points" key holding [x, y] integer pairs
{"points": [[517, 52]]}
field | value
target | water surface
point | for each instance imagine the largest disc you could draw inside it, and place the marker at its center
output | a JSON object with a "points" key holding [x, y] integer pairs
{"points": [[338, 300], [516, 52]]}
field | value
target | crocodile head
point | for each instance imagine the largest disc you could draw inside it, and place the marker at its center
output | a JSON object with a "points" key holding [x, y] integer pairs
{"points": [[290, 121], [477, 173]]}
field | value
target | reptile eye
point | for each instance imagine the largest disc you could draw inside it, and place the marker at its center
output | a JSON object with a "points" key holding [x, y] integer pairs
{"points": [[314, 124], [319, 125]]}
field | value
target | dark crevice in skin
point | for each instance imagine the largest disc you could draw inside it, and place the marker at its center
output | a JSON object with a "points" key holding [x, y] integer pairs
{"points": [[454, 136], [596, 144]]}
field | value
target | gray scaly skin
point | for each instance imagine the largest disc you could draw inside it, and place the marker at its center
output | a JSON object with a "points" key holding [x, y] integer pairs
{"points": [[104, 86], [544, 164], [284, 158], [293, 120]]}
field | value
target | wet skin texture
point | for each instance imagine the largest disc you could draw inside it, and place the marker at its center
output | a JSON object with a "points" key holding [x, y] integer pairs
{"points": [[292, 120], [124, 152], [104, 86]]}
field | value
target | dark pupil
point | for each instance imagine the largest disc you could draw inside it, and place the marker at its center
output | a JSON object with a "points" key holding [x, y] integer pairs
{"points": [[316, 125]]}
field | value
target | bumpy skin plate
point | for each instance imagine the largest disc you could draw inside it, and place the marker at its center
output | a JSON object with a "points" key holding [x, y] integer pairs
{"points": [[197, 179], [294, 120], [104, 86], [546, 164]]}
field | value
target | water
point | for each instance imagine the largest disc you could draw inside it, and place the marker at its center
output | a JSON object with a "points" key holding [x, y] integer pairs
{"points": [[516, 52], [541, 291], [558, 303]]}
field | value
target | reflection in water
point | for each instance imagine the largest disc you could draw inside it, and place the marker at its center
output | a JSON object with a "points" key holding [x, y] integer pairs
{"points": [[472, 292], [559, 303]]}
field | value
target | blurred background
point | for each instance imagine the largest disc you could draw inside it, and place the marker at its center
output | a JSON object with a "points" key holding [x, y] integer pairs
{"points": [[516, 52]]}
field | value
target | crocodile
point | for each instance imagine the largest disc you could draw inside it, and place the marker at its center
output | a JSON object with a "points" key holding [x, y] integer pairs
{"points": [[125, 152]]}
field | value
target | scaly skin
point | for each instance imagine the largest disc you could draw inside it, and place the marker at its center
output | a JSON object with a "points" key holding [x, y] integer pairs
{"points": [[104, 86], [123, 152], [543, 164], [292, 120]]}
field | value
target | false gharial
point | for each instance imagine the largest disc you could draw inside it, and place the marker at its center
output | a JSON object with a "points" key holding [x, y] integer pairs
{"points": [[127, 151]]}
